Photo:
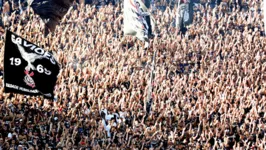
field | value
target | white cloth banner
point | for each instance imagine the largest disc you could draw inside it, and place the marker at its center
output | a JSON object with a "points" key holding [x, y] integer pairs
{"points": [[135, 19], [184, 15]]}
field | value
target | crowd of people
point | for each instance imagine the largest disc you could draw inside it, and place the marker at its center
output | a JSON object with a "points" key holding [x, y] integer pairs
{"points": [[209, 89]]}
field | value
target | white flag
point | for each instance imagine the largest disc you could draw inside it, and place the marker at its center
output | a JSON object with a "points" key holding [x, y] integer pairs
{"points": [[184, 15], [135, 19]]}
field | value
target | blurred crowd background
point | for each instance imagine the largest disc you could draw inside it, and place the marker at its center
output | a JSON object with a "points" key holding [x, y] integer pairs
{"points": [[209, 90]]}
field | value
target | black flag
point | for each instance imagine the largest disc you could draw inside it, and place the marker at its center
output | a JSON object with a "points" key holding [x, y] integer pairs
{"points": [[28, 69], [51, 11]]}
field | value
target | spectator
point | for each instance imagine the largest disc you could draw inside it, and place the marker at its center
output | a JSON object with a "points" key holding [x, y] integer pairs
{"points": [[209, 90]]}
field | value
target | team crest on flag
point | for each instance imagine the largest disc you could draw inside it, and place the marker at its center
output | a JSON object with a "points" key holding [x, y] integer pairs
{"points": [[29, 80], [28, 69]]}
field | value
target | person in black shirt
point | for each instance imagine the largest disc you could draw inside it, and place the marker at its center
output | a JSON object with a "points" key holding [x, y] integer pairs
{"points": [[44, 139]]}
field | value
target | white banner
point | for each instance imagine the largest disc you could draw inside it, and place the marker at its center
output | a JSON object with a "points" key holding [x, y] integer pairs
{"points": [[135, 19]]}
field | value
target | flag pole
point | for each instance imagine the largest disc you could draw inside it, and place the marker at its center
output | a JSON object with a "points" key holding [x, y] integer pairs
{"points": [[264, 12], [149, 100], [178, 14], [178, 7]]}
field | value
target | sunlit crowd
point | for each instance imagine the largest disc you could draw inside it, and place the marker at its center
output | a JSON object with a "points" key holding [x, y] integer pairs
{"points": [[209, 89]]}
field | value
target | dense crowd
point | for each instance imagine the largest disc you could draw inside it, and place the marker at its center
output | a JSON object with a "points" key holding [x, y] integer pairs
{"points": [[209, 90]]}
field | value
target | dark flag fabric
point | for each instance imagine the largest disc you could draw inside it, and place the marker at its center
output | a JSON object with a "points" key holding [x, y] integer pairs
{"points": [[28, 69], [51, 11], [1, 23]]}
